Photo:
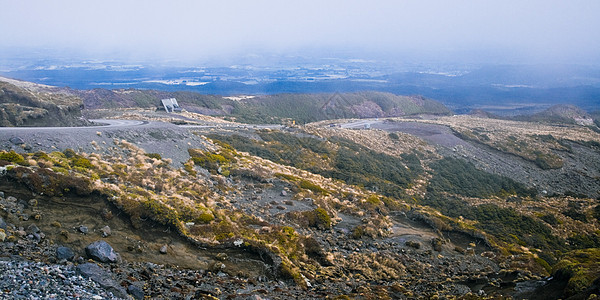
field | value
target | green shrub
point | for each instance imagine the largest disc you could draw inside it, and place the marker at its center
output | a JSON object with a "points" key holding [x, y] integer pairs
{"points": [[289, 231], [543, 263], [69, 153], [81, 162], [41, 155], [12, 156], [550, 219], [318, 218], [206, 217], [305, 184]]}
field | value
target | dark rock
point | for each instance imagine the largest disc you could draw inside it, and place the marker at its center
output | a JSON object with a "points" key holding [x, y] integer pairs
{"points": [[2, 223], [102, 277], [101, 251], [37, 237], [16, 140], [32, 229], [27, 148], [135, 291], [64, 253]]}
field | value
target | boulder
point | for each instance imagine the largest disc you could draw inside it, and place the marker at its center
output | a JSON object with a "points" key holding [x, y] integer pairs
{"points": [[83, 229], [101, 251], [102, 277], [163, 249], [16, 140], [64, 253], [32, 229], [136, 292], [106, 231]]}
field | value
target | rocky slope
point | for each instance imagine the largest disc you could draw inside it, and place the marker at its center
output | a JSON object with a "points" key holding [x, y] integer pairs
{"points": [[320, 211], [27, 104]]}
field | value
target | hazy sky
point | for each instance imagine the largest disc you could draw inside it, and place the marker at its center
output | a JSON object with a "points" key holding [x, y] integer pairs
{"points": [[548, 30]]}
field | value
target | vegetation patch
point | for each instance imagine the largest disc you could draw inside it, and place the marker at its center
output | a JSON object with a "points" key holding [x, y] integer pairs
{"points": [[12, 156], [463, 178], [214, 162], [505, 224], [334, 158], [580, 267]]}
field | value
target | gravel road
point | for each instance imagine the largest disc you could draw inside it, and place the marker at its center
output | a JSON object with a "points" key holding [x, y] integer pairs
{"points": [[170, 140]]}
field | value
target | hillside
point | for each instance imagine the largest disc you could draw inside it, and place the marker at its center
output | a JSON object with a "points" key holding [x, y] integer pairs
{"points": [[560, 113], [410, 208], [302, 108], [27, 104], [194, 206]]}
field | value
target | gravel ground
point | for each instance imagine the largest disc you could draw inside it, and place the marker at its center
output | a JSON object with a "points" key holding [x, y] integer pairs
{"points": [[579, 174], [22, 279], [169, 140]]}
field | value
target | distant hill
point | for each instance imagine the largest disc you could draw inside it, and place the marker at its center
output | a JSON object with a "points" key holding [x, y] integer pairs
{"points": [[128, 98], [596, 116], [480, 113], [561, 113], [271, 108], [28, 104], [314, 107]]}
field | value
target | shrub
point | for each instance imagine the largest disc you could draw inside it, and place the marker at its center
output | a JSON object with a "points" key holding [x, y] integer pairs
{"points": [[358, 232], [81, 162], [305, 184], [210, 161], [12, 156], [289, 231], [206, 217], [69, 153], [154, 155], [550, 219], [318, 218], [41, 155]]}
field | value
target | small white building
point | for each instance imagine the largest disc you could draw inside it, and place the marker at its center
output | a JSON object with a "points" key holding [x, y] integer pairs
{"points": [[170, 105]]}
